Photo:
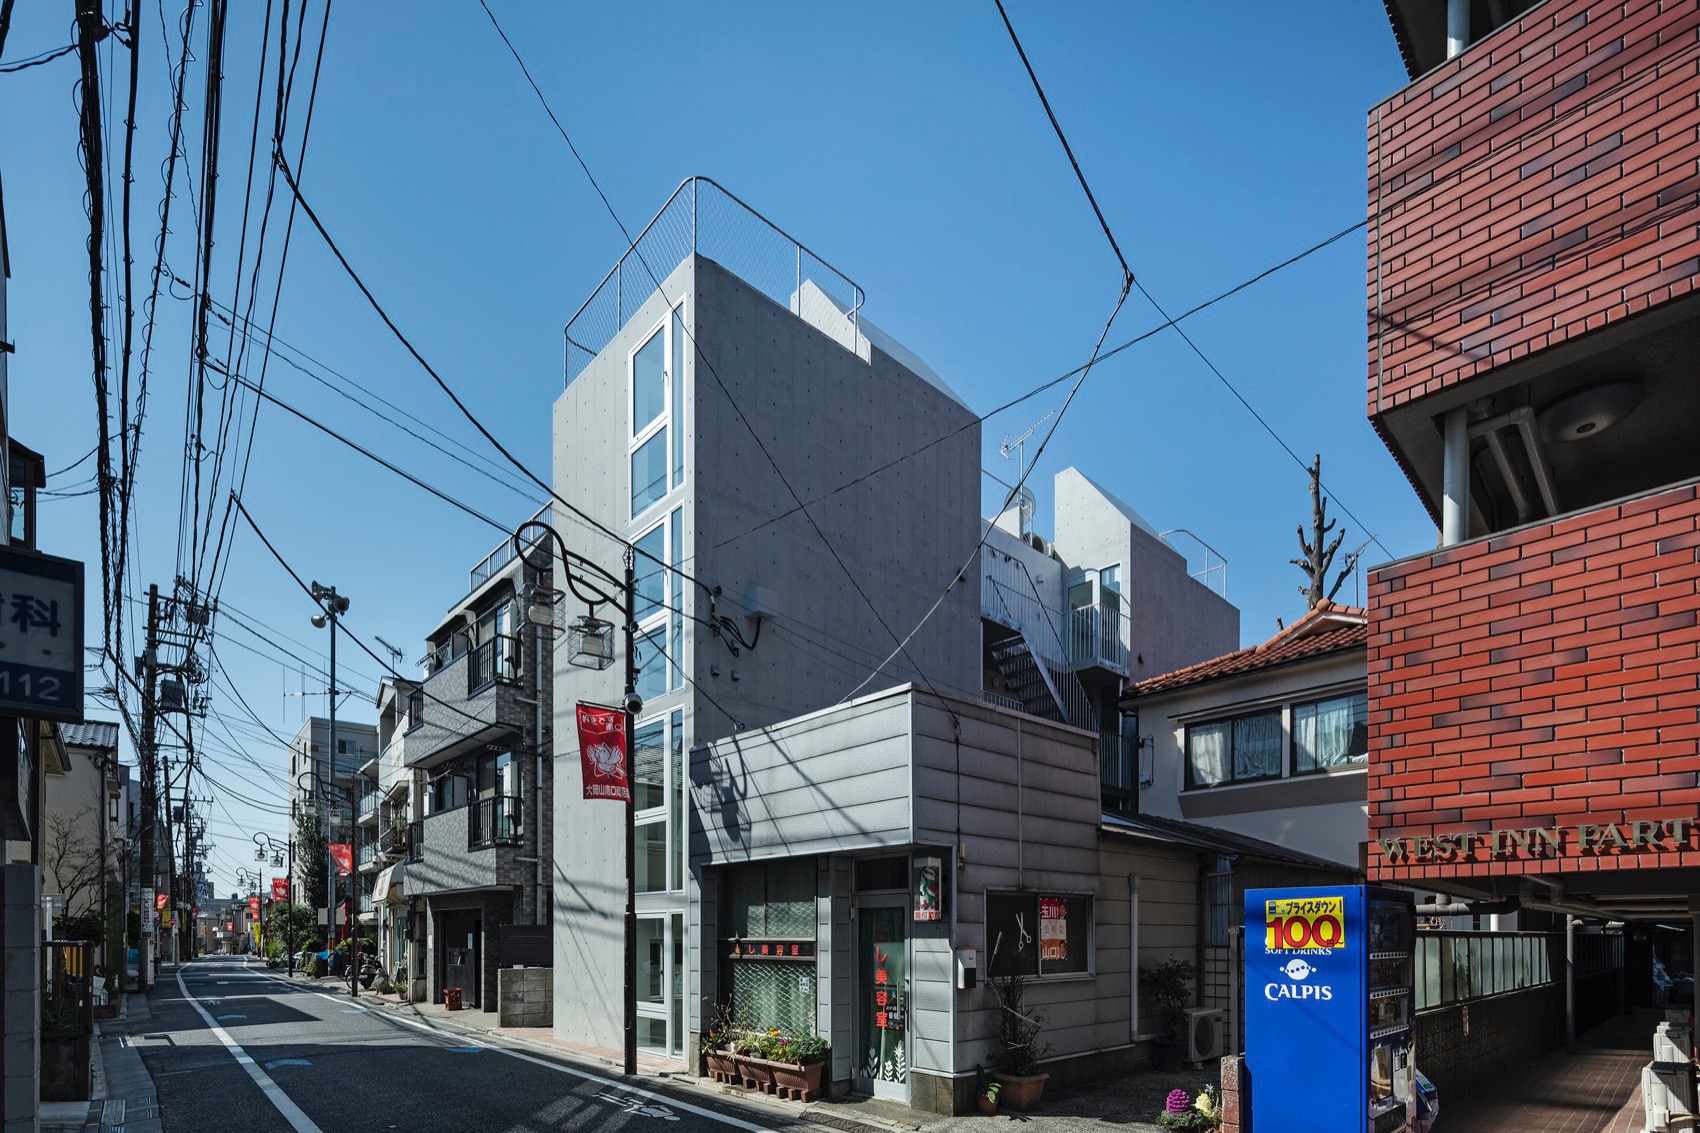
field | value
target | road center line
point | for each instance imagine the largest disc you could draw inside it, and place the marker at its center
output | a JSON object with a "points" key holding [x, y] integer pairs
{"points": [[617, 1083], [291, 1112]]}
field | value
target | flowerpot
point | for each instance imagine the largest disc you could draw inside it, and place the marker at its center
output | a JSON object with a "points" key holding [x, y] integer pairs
{"points": [[797, 1082], [988, 1106], [755, 1073], [1171, 1057], [722, 1067], [1021, 1093]]}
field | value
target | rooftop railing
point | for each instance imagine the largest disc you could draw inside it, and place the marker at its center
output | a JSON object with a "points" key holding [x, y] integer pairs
{"points": [[491, 565], [703, 218]]}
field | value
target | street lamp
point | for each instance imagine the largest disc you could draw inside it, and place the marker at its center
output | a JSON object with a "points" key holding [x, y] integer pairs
{"points": [[265, 844], [331, 606], [590, 645]]}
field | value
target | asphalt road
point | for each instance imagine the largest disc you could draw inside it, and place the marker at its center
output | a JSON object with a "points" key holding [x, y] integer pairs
{"points": [[322, 1064]]}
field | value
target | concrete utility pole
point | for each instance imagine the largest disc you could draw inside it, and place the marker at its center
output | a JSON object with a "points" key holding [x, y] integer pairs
{"points": [[149, 756]]}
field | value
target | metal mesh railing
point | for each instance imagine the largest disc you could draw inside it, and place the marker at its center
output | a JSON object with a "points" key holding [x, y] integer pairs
{"points": [[703, 217]]}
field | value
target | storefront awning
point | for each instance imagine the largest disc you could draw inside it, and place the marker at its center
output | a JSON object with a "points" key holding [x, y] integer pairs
{"points": [[388, 888]]}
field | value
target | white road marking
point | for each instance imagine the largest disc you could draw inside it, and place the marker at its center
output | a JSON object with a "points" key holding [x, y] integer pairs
{"points": [[559, 1068], [291, 1112]]}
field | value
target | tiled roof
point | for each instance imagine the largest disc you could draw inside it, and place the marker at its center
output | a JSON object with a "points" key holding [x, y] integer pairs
{"points": [[1329, 628], [1213, 838], [95, 733]]}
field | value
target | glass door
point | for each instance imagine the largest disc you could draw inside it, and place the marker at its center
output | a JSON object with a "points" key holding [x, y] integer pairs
{"points": [[660, 984], [882, 998]]}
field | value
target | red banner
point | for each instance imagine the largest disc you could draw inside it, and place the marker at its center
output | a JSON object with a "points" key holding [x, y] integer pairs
{"points": [[602, 753], [342, 853], [254, 907], [280, 889], [159, 900]]}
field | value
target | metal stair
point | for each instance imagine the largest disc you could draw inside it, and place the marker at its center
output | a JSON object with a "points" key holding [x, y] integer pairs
{"points": [[1028, 678]]}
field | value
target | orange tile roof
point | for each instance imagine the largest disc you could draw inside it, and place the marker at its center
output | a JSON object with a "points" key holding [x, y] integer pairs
{"points": [[1330, 628]]}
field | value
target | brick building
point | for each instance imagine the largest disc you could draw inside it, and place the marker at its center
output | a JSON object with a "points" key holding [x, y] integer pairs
{"points": [[1534, 683]]}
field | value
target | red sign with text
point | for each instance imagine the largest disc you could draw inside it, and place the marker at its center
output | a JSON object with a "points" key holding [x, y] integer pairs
{"points": [[280, 889], [602, 752], [159, 900], [254, 907], [342, 853]]}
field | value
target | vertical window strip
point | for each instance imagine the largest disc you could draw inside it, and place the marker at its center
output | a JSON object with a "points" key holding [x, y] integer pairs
{"points": [[678, 394]]}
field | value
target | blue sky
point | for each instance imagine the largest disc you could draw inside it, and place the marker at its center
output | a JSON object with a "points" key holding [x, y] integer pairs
{"points": [[900, 141]]}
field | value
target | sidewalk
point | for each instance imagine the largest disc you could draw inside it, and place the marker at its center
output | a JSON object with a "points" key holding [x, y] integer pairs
{"points": [[1595, 1090]]}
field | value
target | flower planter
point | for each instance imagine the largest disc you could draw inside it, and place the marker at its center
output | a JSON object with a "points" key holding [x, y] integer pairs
{"points": [[1021, 1093], [722, 1066], [755, 1073], [988, 1106], [798, 1082]]}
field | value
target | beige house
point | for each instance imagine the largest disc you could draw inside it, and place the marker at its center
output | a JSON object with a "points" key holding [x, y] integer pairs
{"points": [[82, 839]]}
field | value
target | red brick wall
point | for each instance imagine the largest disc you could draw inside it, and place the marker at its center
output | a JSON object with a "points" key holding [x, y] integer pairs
{"points": [[1540, 185], [1547, 677]]}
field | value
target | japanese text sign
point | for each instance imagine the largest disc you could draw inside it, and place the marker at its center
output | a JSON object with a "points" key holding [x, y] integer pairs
{"points": [[1053, 928], [280, 889], [342, 853], [602, 752], [1304, 923], [41, 635], [254, 907]]}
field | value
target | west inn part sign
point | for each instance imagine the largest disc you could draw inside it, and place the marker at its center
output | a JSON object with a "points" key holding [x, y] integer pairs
{"points": [[1647, 836]]}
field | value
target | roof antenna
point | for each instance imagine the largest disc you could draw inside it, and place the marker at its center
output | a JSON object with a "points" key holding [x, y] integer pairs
{"points": [[395, 654]]}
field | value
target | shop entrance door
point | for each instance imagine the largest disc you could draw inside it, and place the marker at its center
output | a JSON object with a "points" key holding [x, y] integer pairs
{"points": [[459, 944], [882, 997]]}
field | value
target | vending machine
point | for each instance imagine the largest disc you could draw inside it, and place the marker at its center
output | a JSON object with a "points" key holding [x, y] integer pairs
{"points": [[1328, 1009]]}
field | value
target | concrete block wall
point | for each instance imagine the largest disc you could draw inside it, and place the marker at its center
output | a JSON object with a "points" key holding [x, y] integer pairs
{"points": [[1542, 677], [1537, 187], [525, 997], [20, 965]]}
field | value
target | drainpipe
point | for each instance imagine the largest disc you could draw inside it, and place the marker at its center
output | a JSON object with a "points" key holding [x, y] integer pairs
{"points": [[1455, 488], [1570, 983], [1457, 27]]}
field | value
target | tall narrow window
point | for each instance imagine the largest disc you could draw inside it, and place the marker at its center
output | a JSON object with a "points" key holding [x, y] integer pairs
{"points": [[678, 378], [677, 818], [676, 556], [649, 383]]}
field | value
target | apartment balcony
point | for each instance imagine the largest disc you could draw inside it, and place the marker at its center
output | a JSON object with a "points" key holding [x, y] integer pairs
{"points": [[1533, 255], [393, 842], [366, 857], [471, 701], [495, 822], [415, 841], [367, 808], [1118, 771], [1539, 684], [471, 847], [1095, 639]]}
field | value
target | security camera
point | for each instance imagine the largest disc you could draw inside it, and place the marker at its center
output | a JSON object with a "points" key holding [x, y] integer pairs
{"points": [[634, 703]]}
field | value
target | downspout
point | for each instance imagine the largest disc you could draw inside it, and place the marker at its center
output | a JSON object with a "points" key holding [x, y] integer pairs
{"points": [[1570, 983], [1457, 27], [1455, 486]]}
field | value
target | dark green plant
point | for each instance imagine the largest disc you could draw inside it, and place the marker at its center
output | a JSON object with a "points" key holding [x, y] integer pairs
{"points": [[1018, 1025], [1170, 987]]}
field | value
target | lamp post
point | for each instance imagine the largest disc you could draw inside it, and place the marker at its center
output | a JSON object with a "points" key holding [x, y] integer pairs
{"points": [[265, 844], [591, 646]]}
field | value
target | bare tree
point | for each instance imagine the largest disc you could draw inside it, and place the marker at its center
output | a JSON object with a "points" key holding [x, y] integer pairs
{"points": [[72, 856], [1318, 558]]}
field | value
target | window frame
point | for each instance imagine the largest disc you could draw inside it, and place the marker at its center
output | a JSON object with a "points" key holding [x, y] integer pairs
{"points": [[672, 813], [1280, 711], [1034, 897], [1293, 733], [665, 617], [674, 463]]}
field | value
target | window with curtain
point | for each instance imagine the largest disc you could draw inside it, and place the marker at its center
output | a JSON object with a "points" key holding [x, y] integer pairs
{"points": [[1331, 733], [1242, 749]]}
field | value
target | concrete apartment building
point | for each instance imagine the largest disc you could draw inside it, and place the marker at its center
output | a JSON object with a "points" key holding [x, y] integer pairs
{"points": [[1533, 257], [794, 771], [329, 785]]}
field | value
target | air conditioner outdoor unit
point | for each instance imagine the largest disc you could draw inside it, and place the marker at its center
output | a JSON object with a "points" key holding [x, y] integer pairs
{"points": [[1666, 1096], [1205, 1033]]}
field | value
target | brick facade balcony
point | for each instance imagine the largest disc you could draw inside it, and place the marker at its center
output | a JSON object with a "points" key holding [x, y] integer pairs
{"points": [[1544, 678], [1538, 187]]}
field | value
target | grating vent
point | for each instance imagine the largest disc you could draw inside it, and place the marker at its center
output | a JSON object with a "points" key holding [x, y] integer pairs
{"points": [[775, 994]]}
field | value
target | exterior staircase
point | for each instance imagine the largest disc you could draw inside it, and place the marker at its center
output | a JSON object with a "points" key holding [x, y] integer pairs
{"points": [[1042, 690]]}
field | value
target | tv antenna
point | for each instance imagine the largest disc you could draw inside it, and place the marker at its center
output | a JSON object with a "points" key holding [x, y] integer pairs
{"points": [[395, 654], [1017, 445]]}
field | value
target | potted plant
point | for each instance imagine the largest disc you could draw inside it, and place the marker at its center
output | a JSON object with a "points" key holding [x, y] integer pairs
{"points": [[1170, 985], [717, 1045], [987, 1098], [1022, 1084], [797, 1063], [1184, 1114], [753, 1069]]}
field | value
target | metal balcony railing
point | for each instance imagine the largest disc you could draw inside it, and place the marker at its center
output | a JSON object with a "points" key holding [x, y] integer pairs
{"points": [[703, 218], [415, 841], [415, 709], [1118, 771], [495, 660], [365, 902], [394, 841], [1095, 638], [368, 803], [491, 565], [366, 854], [494, 821]]}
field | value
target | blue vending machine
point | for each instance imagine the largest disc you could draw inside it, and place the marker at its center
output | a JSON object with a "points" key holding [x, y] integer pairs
{"points": [[1328, 1010]]}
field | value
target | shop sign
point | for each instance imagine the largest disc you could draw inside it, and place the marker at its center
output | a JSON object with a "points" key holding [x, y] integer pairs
{"points": [[772, 950], [1315, 925], [888, 1002], [41, 635], [1053, 928], [159, 900], [1654, 835], [602, 752], [929, 889]]}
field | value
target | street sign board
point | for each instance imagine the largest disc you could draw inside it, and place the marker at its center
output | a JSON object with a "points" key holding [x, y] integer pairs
{"points": [[41, 635]]}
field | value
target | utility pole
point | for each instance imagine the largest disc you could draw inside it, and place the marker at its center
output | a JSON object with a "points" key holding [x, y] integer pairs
{"points": [[332, 605], [149, 756]]}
